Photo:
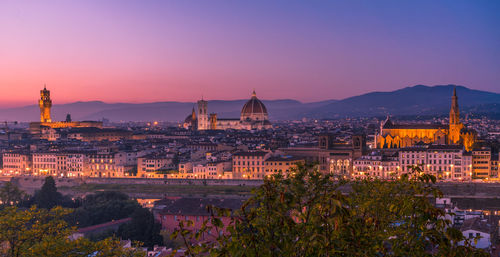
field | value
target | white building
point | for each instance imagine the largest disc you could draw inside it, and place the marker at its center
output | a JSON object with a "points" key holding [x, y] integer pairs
{"points": [[477, 227], [253, 116], [104, 165], [249, 165], [148, 166], [59, 164], [212, 170], [45, 164], [443, 161], [75, 164], [376, 165], [16, 163], [49, 134]]}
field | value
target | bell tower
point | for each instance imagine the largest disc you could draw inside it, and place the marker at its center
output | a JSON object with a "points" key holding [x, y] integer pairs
{"points": [[454, 112], [202, 115], [45, 104], [455, 124]]}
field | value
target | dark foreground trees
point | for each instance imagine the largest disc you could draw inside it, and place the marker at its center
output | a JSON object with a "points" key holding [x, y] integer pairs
{"points": [[97, 208], [42, 232], [10, 195], [305, 214], [48, 197], [103, 207], [142, 227]]}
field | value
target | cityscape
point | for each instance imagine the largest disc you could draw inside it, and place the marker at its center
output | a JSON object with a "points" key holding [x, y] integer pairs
{"points": [[197, 166]]}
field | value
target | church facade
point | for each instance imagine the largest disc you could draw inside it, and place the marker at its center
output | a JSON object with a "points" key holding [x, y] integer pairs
{"points": [[253, 116], [404, 135]]}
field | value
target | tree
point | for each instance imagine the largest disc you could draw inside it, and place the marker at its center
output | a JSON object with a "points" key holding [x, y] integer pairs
{"points": [[143, 227], [48, 197], [306, 214], [103, 207], [10, 195], [42, 232]]}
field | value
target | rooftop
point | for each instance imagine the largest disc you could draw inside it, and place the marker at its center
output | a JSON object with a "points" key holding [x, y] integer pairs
{"points": [[196, 206], [477, 224], [256, 153]]}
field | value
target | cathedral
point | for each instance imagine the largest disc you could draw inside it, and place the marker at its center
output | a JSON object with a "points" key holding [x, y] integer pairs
{"points": [[404, 135], [253, 116]]}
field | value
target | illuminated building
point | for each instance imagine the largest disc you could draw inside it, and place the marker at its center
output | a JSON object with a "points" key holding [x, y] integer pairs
{"points": [[45, 104], [89, 134], [481, 162], [202, 115], [191, 122], [45, 164], [253, 116], [283, 164], [212, 170], [376, 165], [150, 166], [332, 156], [16, 163], [104, 165], [405, 135], [249, 165], [446, 162]]}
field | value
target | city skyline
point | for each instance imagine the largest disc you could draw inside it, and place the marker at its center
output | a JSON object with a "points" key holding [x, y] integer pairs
{"points": [[178, 51]]}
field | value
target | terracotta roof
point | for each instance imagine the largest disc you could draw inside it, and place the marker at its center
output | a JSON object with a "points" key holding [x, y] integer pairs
{"points": [[283, 158], [196, 206], [257, 153], [103, 225], [253, 105], [390, 125]]}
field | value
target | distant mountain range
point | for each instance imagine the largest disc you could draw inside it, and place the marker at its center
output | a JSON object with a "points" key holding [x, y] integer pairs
{"points": [[416, 100]]}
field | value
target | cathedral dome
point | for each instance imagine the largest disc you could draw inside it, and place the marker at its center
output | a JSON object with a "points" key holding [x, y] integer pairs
{"points": [[189, 119], [254, 110]]}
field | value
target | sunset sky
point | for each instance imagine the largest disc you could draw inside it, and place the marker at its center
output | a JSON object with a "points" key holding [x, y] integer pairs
{"points": [[144, 51]]}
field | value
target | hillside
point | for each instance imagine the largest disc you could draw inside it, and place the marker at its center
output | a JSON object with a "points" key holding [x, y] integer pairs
{"points": [[416, 100]]}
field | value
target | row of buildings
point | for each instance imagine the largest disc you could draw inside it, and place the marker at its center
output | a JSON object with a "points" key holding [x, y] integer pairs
{"points": [[211, 161], [148, 164]]}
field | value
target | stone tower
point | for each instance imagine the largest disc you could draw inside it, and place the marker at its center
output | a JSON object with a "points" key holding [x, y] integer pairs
{"points": [[45, 104], [213, 121], [202, 115], [454, 112], [455, 124]]}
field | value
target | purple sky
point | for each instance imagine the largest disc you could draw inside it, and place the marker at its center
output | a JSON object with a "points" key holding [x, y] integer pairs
{"points": [[143, 51]]}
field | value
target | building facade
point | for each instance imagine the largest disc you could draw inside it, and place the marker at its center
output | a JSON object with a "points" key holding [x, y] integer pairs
{"points": [[253, 116], [16, 163], [406, 135], [250, 165], [153, 165], [481, 163], [45, 104], [281, 164]]}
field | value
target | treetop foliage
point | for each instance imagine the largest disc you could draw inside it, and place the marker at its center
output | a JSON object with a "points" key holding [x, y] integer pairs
{"points": [[42, 232], [305, 214]]}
